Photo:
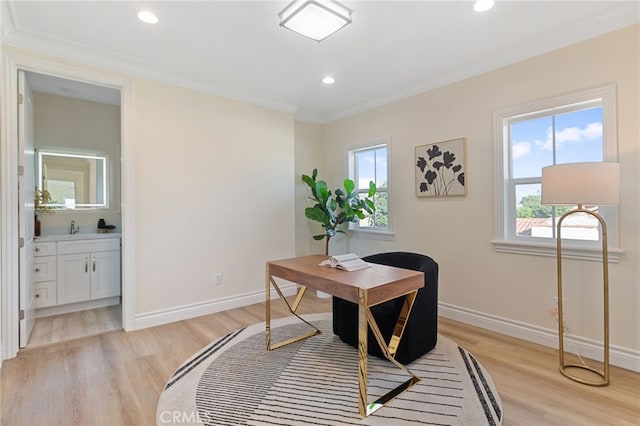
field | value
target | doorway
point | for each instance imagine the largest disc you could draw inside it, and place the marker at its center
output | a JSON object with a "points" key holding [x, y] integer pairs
{"points": [[13, 62], [75, 134]]}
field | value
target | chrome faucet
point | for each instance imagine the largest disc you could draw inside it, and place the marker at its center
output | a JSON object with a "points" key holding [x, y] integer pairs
{"points": [[74, 229]]}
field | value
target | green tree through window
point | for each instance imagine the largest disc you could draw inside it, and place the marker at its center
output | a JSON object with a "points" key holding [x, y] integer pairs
{"points": [[370, 164]]}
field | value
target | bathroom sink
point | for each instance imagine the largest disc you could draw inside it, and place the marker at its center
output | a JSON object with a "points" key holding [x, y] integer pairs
{"points": [[78, 236]]}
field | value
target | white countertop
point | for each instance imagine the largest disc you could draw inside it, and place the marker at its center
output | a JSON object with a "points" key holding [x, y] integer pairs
{"points": [[79, 236]]}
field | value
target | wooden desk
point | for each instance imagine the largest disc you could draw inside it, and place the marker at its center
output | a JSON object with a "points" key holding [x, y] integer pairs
{"points": [[366, 287]]}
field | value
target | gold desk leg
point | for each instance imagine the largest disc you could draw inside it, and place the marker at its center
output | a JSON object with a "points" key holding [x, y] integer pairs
{"points": [[292, 308], [362, 353], [401, 323], [365, 320], [267, 304]]}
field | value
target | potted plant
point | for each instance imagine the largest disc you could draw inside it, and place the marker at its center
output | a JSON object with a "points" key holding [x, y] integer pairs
{"points": [[41, 201], [332, 210]]}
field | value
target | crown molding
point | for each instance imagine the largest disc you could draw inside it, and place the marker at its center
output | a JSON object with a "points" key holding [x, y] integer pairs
{"points": [[45, 45], [616, 17]]}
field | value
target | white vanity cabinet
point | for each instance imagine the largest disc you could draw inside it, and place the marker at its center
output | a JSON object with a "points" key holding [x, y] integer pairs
{"points": [[87, 270], [44, 274]]}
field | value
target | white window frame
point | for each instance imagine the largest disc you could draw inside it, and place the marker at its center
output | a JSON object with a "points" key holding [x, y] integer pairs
{"points": [[505, 239], [373, 233]]}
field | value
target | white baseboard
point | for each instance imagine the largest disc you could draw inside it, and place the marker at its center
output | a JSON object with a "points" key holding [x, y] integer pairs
{"points": [[619, 356], [165, 316]]}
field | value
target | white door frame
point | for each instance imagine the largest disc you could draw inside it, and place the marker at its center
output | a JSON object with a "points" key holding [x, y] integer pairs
{"points": [[11, 62]]}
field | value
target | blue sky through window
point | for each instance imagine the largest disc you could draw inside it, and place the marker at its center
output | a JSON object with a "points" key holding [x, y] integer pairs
{"points": [[372, 166], [578, 138]]}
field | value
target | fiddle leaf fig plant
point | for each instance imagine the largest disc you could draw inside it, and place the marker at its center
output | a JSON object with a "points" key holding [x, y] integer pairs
{"points": [[334, 209]]}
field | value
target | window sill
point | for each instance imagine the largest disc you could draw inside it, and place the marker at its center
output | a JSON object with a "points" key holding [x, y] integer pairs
{"points": [[375, 235], [550, 250]]}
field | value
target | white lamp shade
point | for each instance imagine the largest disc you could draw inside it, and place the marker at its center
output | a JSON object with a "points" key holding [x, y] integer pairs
{"points": [[316, 19], [593, 184]]}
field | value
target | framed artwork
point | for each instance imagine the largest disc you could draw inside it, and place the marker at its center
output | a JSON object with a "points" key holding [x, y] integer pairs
{"points": [[440, 169]]}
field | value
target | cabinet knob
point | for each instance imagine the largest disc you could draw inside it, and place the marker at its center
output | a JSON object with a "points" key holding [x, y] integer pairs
{"points": [[37, 295], [37, 249], [37, 269]]}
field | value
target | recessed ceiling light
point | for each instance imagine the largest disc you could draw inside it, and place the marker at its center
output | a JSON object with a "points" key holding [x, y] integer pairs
{"points": [[68, 90], [148, 17], [483, 5], [328, 80]]}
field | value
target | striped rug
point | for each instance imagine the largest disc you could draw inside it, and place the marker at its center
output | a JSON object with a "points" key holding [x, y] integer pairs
{"points": [[235, 381]]}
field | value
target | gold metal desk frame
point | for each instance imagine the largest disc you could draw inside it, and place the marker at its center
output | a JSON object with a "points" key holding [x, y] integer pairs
{"points": [[367, 287]]}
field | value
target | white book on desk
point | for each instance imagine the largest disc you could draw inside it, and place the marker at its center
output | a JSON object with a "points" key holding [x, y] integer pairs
{"points": [[347, 262]]}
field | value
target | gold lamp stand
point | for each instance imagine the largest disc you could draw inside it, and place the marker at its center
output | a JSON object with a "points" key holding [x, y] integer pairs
{"points": [[564, 366], [594, 184]]}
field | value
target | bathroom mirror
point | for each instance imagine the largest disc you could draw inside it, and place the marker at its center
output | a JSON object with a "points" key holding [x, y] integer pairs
{"points": [[74, 180]]}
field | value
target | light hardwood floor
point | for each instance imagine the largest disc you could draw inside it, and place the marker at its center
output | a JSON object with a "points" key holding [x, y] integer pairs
{"points": [[58, 328], [116, 378]]}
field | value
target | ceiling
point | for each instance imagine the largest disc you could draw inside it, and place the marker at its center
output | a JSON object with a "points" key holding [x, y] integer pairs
{"points": [[72, 89], [236, 49]]}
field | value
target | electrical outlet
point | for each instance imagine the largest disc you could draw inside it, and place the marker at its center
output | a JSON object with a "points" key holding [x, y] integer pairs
{"points": [[553, 311], [217, 278]]}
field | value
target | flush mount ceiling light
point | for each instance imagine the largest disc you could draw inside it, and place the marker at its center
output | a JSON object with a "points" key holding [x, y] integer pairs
{"points": [[328, 80], [483, 5], [148, 17], [316, 19]]}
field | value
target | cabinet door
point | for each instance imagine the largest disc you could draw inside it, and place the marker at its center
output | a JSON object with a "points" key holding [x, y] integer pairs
{"points": [[73, 278], [105, 274]]}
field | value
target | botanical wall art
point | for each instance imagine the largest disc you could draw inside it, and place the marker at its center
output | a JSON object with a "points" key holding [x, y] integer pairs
{"points": [[440, 169]]}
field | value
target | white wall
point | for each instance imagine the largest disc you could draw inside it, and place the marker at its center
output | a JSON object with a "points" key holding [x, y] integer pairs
{"points": [[214, 189], [309, 155], [62, 122], [217, 190], [457, 232], [210, 187]]}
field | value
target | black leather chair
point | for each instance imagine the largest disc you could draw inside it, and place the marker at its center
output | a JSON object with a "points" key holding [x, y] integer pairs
{"points": [[421, 332]]}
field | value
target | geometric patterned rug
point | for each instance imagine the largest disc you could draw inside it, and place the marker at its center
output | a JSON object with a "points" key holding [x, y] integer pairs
{"points": [[236, 381]]}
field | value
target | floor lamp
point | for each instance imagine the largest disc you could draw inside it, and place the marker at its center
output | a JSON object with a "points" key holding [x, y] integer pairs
{"points": [[581, 184]]}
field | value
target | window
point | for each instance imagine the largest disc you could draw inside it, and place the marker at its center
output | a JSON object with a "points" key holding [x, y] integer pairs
{"points": [[370, 163], [569, 129]]}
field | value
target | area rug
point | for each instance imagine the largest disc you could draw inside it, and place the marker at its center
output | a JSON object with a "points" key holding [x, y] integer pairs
{"points": [[235, 381]]}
